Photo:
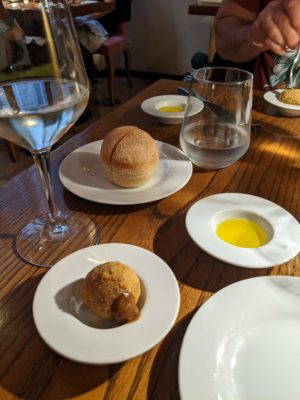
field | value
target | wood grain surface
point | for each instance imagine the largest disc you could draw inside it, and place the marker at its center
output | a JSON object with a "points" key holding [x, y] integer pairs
{"points": [[31, 370], [91, 7]]}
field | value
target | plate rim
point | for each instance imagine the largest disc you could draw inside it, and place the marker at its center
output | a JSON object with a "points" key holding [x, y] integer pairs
{"points": [[188, 171], [163, 266], [240, 256], [212, 301]]}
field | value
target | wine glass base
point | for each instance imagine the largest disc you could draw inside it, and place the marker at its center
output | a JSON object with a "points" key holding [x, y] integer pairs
{"points": [[43, 243]]}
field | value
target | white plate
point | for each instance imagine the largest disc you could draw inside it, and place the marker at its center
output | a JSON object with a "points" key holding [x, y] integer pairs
{"points": [[282, 228], [243, 343], [151, 106], [73, 332], [284, 108], [81, 172]]}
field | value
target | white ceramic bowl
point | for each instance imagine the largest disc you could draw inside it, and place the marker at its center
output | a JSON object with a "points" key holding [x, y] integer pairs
{"points": [[282, 229], [153, 107], [286, 109]]}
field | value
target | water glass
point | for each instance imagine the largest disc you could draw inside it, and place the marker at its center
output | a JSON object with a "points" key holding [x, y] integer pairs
{"points": [[220, 134]]}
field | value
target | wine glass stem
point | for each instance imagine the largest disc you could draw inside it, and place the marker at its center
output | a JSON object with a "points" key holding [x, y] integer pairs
{"points": [[42, 161]]}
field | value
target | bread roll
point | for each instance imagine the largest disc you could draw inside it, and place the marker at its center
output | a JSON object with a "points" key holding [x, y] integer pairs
{"points": [[129, 156], [290, 96]]}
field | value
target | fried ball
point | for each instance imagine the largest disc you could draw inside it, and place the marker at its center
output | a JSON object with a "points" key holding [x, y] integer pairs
{"points": [[107, 286], [290, 96]]}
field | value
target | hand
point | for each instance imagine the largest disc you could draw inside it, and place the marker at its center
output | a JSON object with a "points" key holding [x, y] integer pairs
{"points": [[277, 26]]}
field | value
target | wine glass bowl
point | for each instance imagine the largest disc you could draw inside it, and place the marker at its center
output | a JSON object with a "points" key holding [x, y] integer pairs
{"points": [[43, 91]]}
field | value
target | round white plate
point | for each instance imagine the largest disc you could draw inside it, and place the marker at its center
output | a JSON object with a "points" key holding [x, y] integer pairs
{"points": [[243, 343], [284, 108], [72, 331], [151, 106], [81, 173], [282, 228]]}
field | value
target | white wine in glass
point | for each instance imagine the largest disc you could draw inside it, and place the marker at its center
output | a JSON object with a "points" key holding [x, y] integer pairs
{"points": [[43, 91]]}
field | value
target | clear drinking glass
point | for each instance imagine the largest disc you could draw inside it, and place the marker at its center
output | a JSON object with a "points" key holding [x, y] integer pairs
{"points": [[220, 134], [43, 91]]}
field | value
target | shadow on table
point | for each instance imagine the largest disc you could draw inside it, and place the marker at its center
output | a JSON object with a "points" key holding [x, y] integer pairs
{"points": [[29, 369], [192, 267], [74, 203], [163, 383]]}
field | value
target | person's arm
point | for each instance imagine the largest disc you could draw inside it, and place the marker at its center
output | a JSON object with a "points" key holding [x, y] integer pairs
{"points": [[241, 34]]}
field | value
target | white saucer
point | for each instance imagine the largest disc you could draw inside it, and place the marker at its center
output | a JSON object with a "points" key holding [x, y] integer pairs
{"points": [[243, 343], [81, 172], [73, 332], [284, 108], [151, 106], [281, 227]]}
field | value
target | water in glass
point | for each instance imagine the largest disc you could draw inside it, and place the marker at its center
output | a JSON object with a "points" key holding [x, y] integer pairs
{"points": [[214, 145]]}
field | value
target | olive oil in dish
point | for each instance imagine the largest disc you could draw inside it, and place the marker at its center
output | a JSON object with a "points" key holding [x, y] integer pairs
{"points": [[242, 232]]}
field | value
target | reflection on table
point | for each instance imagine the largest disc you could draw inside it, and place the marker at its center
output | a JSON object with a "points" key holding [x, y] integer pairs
{"points": [[78, 8]]}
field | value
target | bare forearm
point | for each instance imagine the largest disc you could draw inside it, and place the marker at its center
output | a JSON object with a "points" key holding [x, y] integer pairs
{"points": [[233, 40], [242, 34]]}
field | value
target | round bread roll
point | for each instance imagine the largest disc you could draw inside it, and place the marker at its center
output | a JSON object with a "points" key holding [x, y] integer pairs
{"points": [[129, 156], [290, 96], [106, 283]]}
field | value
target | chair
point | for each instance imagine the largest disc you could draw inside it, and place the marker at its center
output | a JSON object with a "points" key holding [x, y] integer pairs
{"points": [[13, 150], [114, 44]]}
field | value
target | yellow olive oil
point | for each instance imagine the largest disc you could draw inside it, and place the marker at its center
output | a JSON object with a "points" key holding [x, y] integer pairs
{"points": [[242, 232], [171, 109]]}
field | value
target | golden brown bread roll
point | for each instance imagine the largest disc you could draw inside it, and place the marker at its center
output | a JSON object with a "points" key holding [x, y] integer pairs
{"points": [[104, 287], [129, 156], [290, 96]]}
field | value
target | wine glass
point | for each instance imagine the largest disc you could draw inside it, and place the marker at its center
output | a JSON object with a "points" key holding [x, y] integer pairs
{"points": [[43, 90]]}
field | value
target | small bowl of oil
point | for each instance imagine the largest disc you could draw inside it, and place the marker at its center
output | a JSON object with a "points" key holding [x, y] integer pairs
{"points": [[244, 230], [170, 109]]}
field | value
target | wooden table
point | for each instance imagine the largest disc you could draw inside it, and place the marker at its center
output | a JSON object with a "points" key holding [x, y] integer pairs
{"points": [[28, 368], [85, 7], [207, 8], [91, 7]]}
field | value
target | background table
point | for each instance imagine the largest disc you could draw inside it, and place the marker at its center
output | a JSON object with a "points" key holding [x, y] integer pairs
{"points": [[28, 368], [207, 8], [87, 7]]}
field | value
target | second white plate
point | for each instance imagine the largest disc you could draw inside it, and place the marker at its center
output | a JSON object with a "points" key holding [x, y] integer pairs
{"points": [[81, 173], [243, 343]]}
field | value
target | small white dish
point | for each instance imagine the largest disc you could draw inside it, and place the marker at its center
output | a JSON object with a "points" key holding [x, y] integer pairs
{"points": [[284, 108], [81, 173], [243, 343], [282, 229], [68, 327], [153, 105]]}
